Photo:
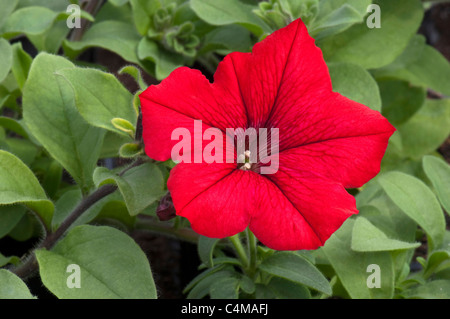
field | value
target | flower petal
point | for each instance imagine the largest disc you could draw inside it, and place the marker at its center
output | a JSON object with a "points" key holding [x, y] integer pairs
{"points": [[302, 211], [281, 69], [346, 145], [186, 95], [213, 197], [329, 117]]}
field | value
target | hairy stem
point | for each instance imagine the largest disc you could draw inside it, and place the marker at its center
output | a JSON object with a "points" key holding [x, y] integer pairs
{"points": [[84, 205], [30, 264]]}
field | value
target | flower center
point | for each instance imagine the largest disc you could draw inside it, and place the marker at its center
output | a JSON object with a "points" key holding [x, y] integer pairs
{"points": [[244, 162]]}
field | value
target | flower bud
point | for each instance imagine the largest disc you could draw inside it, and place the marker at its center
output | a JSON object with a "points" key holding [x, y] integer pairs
{"points": [[165, 210]]}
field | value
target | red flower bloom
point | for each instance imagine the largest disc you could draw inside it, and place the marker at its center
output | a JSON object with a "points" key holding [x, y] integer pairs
{"points": [[326, 143]]}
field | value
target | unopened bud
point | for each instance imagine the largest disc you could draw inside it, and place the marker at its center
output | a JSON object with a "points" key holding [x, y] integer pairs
{"points": [[165, 210]]}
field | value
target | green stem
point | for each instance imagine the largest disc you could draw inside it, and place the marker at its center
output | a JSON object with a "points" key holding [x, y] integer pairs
{"points": [[236, 241], [252, 248], [169, 230]]}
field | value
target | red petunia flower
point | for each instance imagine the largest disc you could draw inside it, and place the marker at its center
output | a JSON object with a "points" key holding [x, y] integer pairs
{"points": [[326, 143]]}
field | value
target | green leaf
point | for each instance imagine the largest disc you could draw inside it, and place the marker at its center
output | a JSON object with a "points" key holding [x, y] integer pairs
{"points": [[50, 114], [361, 45], [366, 238], [336, 16], [205, 248], [118, 3], [100, 97], [21, 64], [13, 287], [143, 12], [112, 144], [124, 126], [65, 205], [6, 8], [116, 211], [400, 100], [6, 58], [9, 217], [326, 7], [32, 20], [201, 285], [19, 185], [13, 125], [437, 289], [26, 228], [136, 74], [130, 150], [52, 179], [427, 129], [55, 5], [5, 95], [50, 41], [25, 150], [286, 289], [223, 12], [208, 272], [263, 292], [63, 16], [225, 288], [8, 260], [115, 36], [246, 284], [162, 62], [140, 186], [420, 65], [69, 201], [227, 260], [437, 261], [109, 12], [357, 84], [111, 265], [438, 171], [297, 269], [227, 39], [417, 201], [351, 266]]}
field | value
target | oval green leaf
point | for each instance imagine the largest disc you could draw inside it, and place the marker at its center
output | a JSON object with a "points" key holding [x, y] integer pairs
{"points": [[359, 44], [295, 268], [51, 116], [367, 237], [438, 172], [6, 58], [100, 97], [417, 201], [19, 185], [12, 287], [111, 266], [357, 84]]}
